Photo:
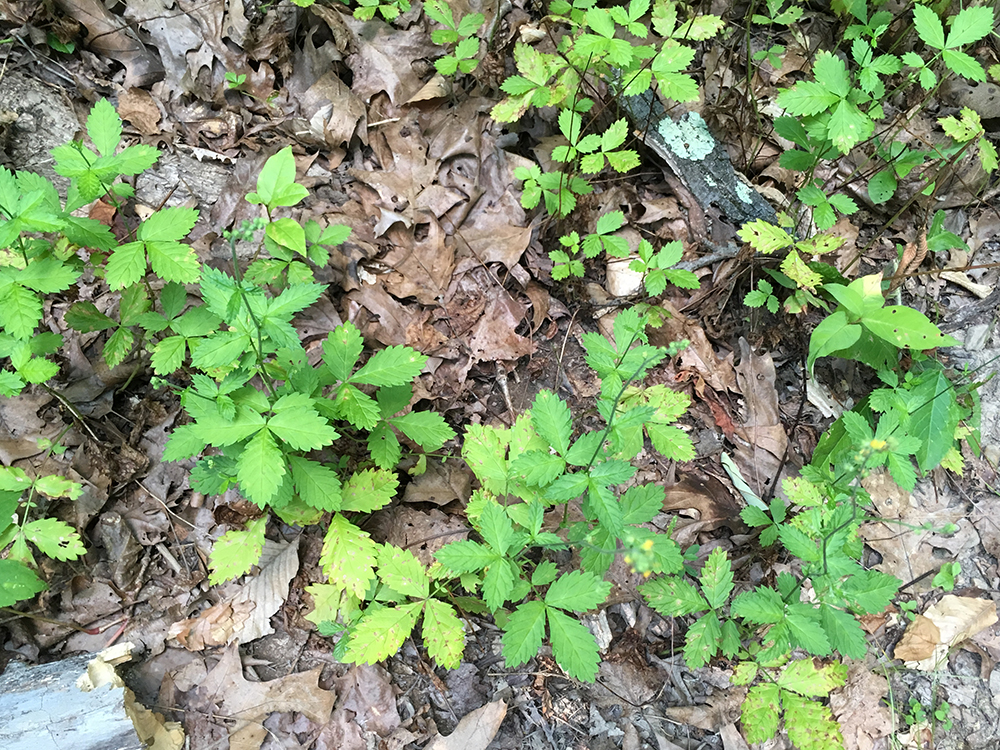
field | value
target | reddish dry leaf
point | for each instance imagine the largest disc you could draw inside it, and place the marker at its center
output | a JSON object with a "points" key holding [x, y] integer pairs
{"points": [[213, 627]]}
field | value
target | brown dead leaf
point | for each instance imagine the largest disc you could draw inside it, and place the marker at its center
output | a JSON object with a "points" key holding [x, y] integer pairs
{"points": [[384, 61], [761, 449], [213, 627], [138, 107], [955, 618], [267, 591], [857, 706], [722, 708], [699, 357], [441, 484], [225, 692], [366, 691], [919, 641], [908, 549], [422, 532], [475, 731]]}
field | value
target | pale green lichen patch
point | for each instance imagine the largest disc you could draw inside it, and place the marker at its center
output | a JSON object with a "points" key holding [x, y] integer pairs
{"points": [[743, 191], [689, 138]]}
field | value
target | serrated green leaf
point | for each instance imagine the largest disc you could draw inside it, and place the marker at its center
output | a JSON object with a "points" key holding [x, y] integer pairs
{"points": [[760, 712], [523, 633], [104, 127], [348, 556], [53, 485], [906, 327], [928, 26], [168, 355], [702, 641], [642, 503], [341, 350], [844, 633], [54, 538], [17, 583], [425, 428], [444, 635], [302, 429], [798, 544], [20, 311], [717, 578], [394, 365], [934, 416], [495, 527], [763, 606], [358, 408], [260, 468], [870, 591], [465, 556], [484, 450], [380, 634], [573, 646], [810, 724], [498, 583], [804, 678], [577, 591], [369, 490], [236, 552], [671, 442], [401, 571], [552, 420], [765, 237], [317, 485], [673, 597], [807, 98], [384, 447], [804, 627]]}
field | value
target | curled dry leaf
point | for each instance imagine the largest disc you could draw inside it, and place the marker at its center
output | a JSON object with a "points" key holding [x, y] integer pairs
{"points": [[929, 637]]}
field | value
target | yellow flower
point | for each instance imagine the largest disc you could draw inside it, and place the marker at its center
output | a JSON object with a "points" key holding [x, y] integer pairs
{"points": [[647, 545], [877, 444]]}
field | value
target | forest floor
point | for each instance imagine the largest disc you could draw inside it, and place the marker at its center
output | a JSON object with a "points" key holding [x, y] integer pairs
{"points": [[444, 258]]}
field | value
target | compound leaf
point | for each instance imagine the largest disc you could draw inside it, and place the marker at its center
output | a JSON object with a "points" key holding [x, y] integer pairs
{"points": [[760, 712], [401, 571], [395, 365], [260, 468], [380, 634]]}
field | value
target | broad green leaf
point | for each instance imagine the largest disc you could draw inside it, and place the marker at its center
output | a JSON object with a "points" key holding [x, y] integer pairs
{"points": [[538, 468], [551, 418], [277, 174], [185, 441], [934, 415], [717, 578], [302, 429], [498, 583], [221, 432], [806, 98], [348, 556], [17, 583], [523, 633], [292, 300], [804, 678], [831, 72], [53, 485], [760, 712], [465, 556], [357, 407], [798, 544], [484, 450], [702, 640], [104, 127], [573, 646], [260, 468], [642, 503], [168, 225], [369, 490], [602, 504], [236, 552], [173, 261], [383, 445], [848, 126], [127, 265], [577, 591], [380, 634], [809, 723], [47, 275], [425, 428], [317, 485], [495, 527], [762, 606], [168, 355], [444, 634], [834, 333], [905, 328], [673, 597], [804, 627], [54, 538], [970, 25], [118, 346], [394, 365], [402, 572], [870, 591], [929, 26], [845, 634], [671, 442], [287, 233]]}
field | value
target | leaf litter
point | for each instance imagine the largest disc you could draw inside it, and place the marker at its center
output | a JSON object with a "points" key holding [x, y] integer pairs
{"points": [[442, 259]]}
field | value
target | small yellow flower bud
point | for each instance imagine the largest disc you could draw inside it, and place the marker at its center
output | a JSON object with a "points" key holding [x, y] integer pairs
{"points": [[877, 444], [647, 545]]}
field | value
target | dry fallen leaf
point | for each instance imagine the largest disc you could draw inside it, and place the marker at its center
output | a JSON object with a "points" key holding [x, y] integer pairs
{"points": [[475, 731], [930, 636], [857, 706], [213, 627]]}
